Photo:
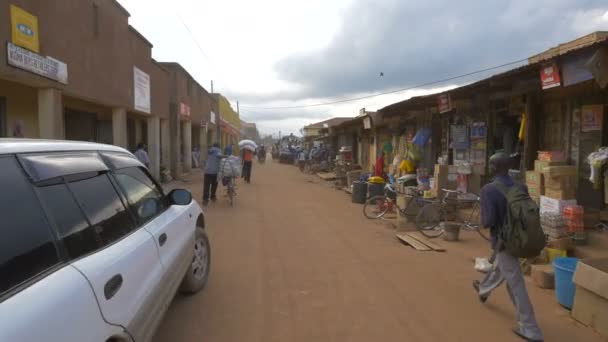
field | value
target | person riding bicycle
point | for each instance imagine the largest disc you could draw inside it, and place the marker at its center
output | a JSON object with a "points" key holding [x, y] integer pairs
{"points": [[261, 153]]}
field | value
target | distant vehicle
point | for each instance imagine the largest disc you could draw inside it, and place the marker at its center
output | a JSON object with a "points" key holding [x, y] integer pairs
{"points": [[91, 248], [286, 157]]}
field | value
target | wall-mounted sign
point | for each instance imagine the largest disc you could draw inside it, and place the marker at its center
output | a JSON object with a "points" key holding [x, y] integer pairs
{"points": [[184, 109], [574, 70], [367, 123], [212, 118], [44, 66], [592, 118], [24, 29], [549, 76], [141, 95], [444, 103]]}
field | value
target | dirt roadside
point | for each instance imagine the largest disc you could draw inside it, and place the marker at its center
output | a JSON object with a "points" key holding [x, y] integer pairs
{"points": [[296, 261]]}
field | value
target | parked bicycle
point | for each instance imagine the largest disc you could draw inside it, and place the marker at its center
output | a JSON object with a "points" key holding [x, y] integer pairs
{"points": [[451, 209], [386, 206]]}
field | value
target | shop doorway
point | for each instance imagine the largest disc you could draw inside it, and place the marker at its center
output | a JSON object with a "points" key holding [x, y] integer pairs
{"points": [[3, 128], [80, 126]]}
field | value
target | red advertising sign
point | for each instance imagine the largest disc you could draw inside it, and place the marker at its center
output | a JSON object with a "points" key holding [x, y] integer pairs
{"points": [[184, 109], [549, 76], [444, 103]]}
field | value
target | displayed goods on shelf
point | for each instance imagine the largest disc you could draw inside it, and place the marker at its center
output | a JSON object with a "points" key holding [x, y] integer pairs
{"points": [[551, 156], [573, 217], [553, 224], [591, 299], [539, 165], [551, 205]]}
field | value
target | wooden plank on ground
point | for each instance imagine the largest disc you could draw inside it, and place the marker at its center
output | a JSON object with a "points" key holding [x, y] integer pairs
{"points": [[327, 175], [434, 245], [419, 246]]}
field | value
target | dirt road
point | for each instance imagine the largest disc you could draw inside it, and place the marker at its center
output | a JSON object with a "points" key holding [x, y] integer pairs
{"points": [[296, 261]]}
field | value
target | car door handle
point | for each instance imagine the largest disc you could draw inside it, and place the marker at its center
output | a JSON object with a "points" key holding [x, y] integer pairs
{"points": [[112, 286], [162, 239]]}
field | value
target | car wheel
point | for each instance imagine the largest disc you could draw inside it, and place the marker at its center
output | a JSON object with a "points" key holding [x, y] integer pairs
{"points": [[198, 273]]}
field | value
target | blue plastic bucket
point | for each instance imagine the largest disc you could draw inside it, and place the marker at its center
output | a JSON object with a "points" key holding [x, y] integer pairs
{"points": [[564, 287]]}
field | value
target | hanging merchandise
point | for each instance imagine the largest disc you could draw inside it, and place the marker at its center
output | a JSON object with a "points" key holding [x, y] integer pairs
{"points": [[413, 153], [522, 127], [460, 138], [397, 160], [407, 166], [387, 147], [422, 136], [597, 160]]}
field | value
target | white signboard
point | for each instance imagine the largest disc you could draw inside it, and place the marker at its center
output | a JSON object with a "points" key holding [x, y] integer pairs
{"points": [[212, 118], [141, 81], [44, 66]]}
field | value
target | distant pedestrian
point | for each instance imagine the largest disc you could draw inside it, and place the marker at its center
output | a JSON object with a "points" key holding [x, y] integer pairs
{"points": [[212, 168], [247, 164], [18, 129], [142, 154], [506, 267]]}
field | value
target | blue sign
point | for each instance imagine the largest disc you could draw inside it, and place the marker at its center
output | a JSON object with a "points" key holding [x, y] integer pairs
{"points": [[25, 30], [574, 70]]}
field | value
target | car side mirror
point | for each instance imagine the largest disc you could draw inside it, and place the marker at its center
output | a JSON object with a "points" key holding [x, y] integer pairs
{"points": [[180, 197]]}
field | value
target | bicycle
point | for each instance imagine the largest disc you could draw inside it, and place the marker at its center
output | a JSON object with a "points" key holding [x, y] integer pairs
{"points": [[230, 184], [432, 218], [383, 206]]}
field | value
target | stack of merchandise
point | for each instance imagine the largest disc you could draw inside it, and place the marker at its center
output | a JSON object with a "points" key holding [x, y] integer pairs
{"points": [[573, 216], [560, 182], [536, 184], [553, 225]]}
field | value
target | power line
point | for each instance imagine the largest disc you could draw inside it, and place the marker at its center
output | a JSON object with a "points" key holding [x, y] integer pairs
{"points": [[392, 91], [200, 48]]}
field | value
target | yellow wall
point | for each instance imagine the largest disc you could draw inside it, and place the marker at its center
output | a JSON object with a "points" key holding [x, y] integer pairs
{"points": [[21, 104], [229, 114]]}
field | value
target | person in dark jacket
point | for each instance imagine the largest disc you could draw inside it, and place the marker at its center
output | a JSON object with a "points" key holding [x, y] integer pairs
{"points": [[506, 268]]}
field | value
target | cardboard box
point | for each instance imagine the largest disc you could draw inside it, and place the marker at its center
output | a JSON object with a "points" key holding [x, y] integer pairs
{"points": [[535, 191], [551, 155], [561, 194], [551, 205], [539, 165], [560, 182], [534, 178], [559, 171], [591, 299], [543, 276]]}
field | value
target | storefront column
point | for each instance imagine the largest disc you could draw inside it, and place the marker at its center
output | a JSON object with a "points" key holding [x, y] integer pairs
{"points": [[187, 145], [203, 144], [165, 146], [50, 114], [119, 127], [153, 124], [138, 131]]}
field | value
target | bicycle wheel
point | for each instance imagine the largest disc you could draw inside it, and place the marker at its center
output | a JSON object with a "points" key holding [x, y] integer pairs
{"points": [[474, 223], [428, 220], [379, 207]]}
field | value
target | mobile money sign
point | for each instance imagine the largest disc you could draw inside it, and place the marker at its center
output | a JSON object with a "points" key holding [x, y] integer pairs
{"points": [[24, 29]]}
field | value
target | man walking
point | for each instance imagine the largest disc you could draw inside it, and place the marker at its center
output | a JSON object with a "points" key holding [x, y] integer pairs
{"points": [[247, 164], [506, 267], [142, 155], [212, 168]]}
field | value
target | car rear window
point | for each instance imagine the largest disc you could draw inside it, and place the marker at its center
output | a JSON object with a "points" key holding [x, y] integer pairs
{"points": [[27, 245]]}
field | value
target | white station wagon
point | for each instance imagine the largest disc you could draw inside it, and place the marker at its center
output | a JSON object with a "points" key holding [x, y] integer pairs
{"points": [[91, 248]]}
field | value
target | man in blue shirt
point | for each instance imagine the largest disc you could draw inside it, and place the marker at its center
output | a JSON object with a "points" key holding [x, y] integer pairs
{"points": [[505, 266], [212, 168]]}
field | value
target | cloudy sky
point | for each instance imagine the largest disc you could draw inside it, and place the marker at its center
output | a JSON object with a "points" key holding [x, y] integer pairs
{"points": [[286, 53]]}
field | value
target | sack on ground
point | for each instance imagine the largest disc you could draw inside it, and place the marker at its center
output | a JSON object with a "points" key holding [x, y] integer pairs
{"points": [[230, 167], [522, 235]]}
